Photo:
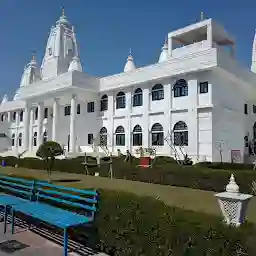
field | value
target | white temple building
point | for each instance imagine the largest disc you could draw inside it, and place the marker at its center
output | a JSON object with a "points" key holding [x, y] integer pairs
{"points": [[195, 99]]}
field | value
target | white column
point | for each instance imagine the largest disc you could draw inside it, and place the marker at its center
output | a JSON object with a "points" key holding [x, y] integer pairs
{"points": [[26, 127], [209, 35], [31, 134], [128, 130], [55, 119], [17, 130], [40, 123], [9, 116], [72, 131], [146, 127]]}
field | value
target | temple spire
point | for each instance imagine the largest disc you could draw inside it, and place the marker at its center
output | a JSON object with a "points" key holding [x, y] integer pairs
{"points": [[164, 53], [129, 66], [253, 66]]}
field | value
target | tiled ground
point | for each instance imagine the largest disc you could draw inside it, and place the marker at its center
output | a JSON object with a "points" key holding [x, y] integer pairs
{"points": [[38, 245]]}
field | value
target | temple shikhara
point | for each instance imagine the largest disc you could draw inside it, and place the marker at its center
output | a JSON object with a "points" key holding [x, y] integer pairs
{"points": [[197, 99]]}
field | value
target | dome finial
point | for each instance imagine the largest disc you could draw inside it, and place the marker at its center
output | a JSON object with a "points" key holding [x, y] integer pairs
{"points": [[62, 11], [33, 55], [202, 16]]}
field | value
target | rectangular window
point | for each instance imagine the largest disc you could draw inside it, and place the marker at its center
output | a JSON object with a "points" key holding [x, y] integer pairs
{"points": [[90, 138], [254, 109], [67, 110], [203, 87], [246, 109], [78, 109], [90, 107]]}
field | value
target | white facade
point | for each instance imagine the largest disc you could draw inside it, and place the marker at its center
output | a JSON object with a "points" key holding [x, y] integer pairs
{"points": [[197, 85]]}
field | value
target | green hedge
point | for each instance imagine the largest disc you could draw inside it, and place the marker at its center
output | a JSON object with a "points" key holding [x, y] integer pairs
{"points": [[127, 224], [130, 225], [165, 171]]}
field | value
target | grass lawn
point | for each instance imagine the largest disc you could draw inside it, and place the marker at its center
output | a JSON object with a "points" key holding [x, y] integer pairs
{"points": [[187, 198]]}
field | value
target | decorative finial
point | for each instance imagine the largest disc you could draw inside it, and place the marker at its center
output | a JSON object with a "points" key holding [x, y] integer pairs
{"points": [[130, 52], [232, 187], [166, 39], [33, 55], [62, 11], [202, 16]]}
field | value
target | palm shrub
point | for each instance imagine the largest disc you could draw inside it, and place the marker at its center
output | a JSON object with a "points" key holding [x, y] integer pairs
{"points": [[48, 151]]}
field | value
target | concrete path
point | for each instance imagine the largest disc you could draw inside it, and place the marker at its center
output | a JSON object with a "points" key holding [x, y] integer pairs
{"points": [[35, 243]]}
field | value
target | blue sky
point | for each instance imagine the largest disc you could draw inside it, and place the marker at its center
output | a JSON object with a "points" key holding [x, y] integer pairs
{"points": [[107, 29]]}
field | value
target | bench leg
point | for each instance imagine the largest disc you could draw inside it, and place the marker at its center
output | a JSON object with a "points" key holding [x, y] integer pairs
{"points": [[5, 218], [12, 210], [65, 241]]}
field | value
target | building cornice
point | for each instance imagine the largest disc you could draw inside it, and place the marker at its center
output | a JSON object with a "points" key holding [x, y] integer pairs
{"points": [[202, 60]]}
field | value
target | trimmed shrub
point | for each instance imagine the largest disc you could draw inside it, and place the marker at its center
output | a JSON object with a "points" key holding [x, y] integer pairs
{"points": [[164, 172]]}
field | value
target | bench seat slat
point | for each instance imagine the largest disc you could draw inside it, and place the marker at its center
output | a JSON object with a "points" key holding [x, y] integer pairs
{"points": [[55, 192], [11, 200], [50, 214], [63, 201], [80, 191]]}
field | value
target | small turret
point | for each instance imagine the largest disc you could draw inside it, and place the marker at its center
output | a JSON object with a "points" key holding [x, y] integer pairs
{"points": [[129, 66], [75, 65], [31, 73], [164, 53], [5, 99], [253, 66]]}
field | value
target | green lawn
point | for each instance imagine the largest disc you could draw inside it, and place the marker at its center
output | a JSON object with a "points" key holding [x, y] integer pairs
{"points": [[187, 198]]}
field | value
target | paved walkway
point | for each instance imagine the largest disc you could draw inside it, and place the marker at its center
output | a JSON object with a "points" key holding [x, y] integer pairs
{"points": [[35, 243]]}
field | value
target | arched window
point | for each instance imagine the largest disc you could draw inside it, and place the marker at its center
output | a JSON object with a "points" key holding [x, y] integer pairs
{"points": [[45, 136], [180, 132], [137, 136], [21, 116], [137, 97], [120, 100], [20, 139], [180, 88], [120, 136], [2, 117], [103, 136], [13, 139], [35, 139], [157, 133], [104, 103], [157, 92]]}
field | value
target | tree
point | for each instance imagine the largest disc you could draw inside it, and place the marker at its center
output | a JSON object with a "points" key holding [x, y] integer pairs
{"points": [[48, 152]]}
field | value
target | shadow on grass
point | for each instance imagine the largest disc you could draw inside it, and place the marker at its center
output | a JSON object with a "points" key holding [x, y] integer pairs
{"points": [[66, 180]]}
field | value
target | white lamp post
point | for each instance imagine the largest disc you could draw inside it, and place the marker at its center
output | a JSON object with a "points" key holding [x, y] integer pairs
{"points": [[233, 204]]}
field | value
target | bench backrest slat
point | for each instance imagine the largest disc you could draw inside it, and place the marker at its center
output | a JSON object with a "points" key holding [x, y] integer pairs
{"points": [[55, 192], [63, 201], [17, 186], [80, 191], [70, 197]]}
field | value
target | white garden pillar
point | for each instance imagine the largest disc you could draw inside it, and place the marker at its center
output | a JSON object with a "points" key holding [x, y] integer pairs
{"points": [[55, 119], [233, 204], [72, 124], [40, 106]]}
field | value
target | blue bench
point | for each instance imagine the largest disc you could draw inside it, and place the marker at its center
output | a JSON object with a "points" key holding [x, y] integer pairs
{"points": [[21, 190], [40, 208]]}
